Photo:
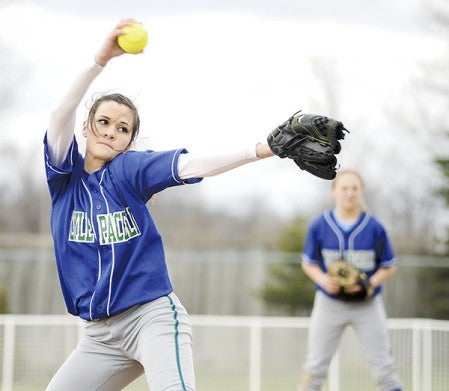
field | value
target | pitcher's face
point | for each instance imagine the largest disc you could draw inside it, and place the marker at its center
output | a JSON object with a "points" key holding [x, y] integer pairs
{"points": [[109, 132]]}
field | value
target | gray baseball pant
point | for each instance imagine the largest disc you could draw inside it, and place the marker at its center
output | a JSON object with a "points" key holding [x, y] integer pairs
{"points": [[153, 338], [369, 321]]}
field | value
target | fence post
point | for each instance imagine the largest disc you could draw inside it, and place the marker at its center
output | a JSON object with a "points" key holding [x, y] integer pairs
{"points": [[416, 357], [255, 351], [9, 338], [427, 356]]}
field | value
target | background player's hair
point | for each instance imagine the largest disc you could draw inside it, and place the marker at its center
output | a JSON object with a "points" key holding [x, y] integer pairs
{"points": [[120, 99]]}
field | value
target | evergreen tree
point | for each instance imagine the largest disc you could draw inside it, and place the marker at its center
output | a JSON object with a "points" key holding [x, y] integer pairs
{"points": [[287, 289], [443, 192]]}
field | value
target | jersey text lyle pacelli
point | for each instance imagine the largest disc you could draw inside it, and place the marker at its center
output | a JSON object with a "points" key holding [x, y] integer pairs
{"points": [[114, 227]]}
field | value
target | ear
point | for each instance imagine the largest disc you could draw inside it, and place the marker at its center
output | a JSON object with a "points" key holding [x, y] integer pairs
{"points": [[84, 130]]}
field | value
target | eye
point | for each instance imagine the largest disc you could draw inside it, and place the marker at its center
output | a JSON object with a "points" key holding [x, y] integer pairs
{"points": [[103, 121], [123, 129]]}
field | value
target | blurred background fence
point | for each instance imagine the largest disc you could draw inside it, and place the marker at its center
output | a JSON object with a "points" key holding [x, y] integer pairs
{"points": [[235, 353], [239, 343], [207, 282]]}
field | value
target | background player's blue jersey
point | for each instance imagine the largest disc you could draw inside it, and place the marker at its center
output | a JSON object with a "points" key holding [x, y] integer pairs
{"points": [[365, 245], [109, 253]]}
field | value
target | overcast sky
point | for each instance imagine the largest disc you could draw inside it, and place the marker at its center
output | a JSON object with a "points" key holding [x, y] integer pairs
{"points": [[219, 73], [389, 13]]}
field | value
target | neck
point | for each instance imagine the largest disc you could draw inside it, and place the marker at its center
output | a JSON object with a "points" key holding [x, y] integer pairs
{"points": [[347, 214], [91, 166]]}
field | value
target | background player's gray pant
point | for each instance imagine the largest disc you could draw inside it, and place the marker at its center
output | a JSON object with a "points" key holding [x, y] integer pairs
{"points": [[328, 320], [154, 338]]}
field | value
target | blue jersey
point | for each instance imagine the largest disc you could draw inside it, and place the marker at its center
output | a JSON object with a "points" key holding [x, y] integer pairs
{"points": [[365, 244], [109, 253]]}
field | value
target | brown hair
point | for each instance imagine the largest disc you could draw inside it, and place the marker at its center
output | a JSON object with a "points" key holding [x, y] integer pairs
{"points": [[122, 100]]}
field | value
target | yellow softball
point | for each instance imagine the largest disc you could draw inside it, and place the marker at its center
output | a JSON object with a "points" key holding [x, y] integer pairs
{"points": [[135, 38]]}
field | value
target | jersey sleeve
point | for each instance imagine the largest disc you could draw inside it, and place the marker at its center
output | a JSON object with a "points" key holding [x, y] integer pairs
{"points": [[58, 175], [149, 172], [311, 250], [384, 251]]}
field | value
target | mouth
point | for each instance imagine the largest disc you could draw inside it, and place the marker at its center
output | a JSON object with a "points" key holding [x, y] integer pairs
{"points": [[104, 144]]}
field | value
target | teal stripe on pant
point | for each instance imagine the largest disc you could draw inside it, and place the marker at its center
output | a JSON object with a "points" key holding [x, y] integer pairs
{"points": [[175, 317], [153, 338]]}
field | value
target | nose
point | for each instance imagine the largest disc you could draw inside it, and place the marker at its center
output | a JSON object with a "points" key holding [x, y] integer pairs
{"points": [[109, 133]]}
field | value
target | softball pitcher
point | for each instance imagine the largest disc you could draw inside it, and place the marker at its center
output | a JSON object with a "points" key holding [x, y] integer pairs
{"points": [[109, 254], [348, 232]]}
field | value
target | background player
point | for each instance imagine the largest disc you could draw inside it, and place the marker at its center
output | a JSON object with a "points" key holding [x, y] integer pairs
{"points": [[348, 232], [109, 254]]}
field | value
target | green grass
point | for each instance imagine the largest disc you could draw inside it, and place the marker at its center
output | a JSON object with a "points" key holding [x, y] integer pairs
{"points": [[228, 381]]}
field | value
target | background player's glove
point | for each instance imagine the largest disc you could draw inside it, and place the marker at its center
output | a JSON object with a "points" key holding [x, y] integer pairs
{"points": [[311, 140], [348, 276]]}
